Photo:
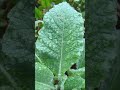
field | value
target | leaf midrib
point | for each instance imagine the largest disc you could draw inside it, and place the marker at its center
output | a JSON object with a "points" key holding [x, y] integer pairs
{"points": [[61, 54]]}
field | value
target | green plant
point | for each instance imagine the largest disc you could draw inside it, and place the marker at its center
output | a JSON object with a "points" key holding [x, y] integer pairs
{"points": [[59, 46]]}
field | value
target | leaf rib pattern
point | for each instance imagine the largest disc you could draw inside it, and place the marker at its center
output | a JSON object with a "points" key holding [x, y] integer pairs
{"points": [[60, 40]]}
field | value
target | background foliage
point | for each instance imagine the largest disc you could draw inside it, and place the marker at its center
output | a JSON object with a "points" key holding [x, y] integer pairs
{"points": [[101, 54], [17, 45]]}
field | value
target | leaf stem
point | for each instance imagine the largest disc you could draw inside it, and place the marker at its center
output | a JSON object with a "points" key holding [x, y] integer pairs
{"points": [[61, 59], [38, 58]]}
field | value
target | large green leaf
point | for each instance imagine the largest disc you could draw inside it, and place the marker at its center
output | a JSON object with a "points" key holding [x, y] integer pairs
{"points": [[60, 41], [43, 77]]}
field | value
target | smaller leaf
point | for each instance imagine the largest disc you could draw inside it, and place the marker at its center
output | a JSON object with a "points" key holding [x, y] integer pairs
{"points": [[74, 83], [79, 72], [43, 77], [41, 86]]}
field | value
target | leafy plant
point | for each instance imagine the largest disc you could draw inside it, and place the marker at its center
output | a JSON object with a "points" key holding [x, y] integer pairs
{"points": [[59, 46]]}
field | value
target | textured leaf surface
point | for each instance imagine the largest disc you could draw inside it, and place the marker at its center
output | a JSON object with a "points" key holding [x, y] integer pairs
{"points": [[81, 62], [60, 41], [74, 83], [43, 77], [79, 72]]}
